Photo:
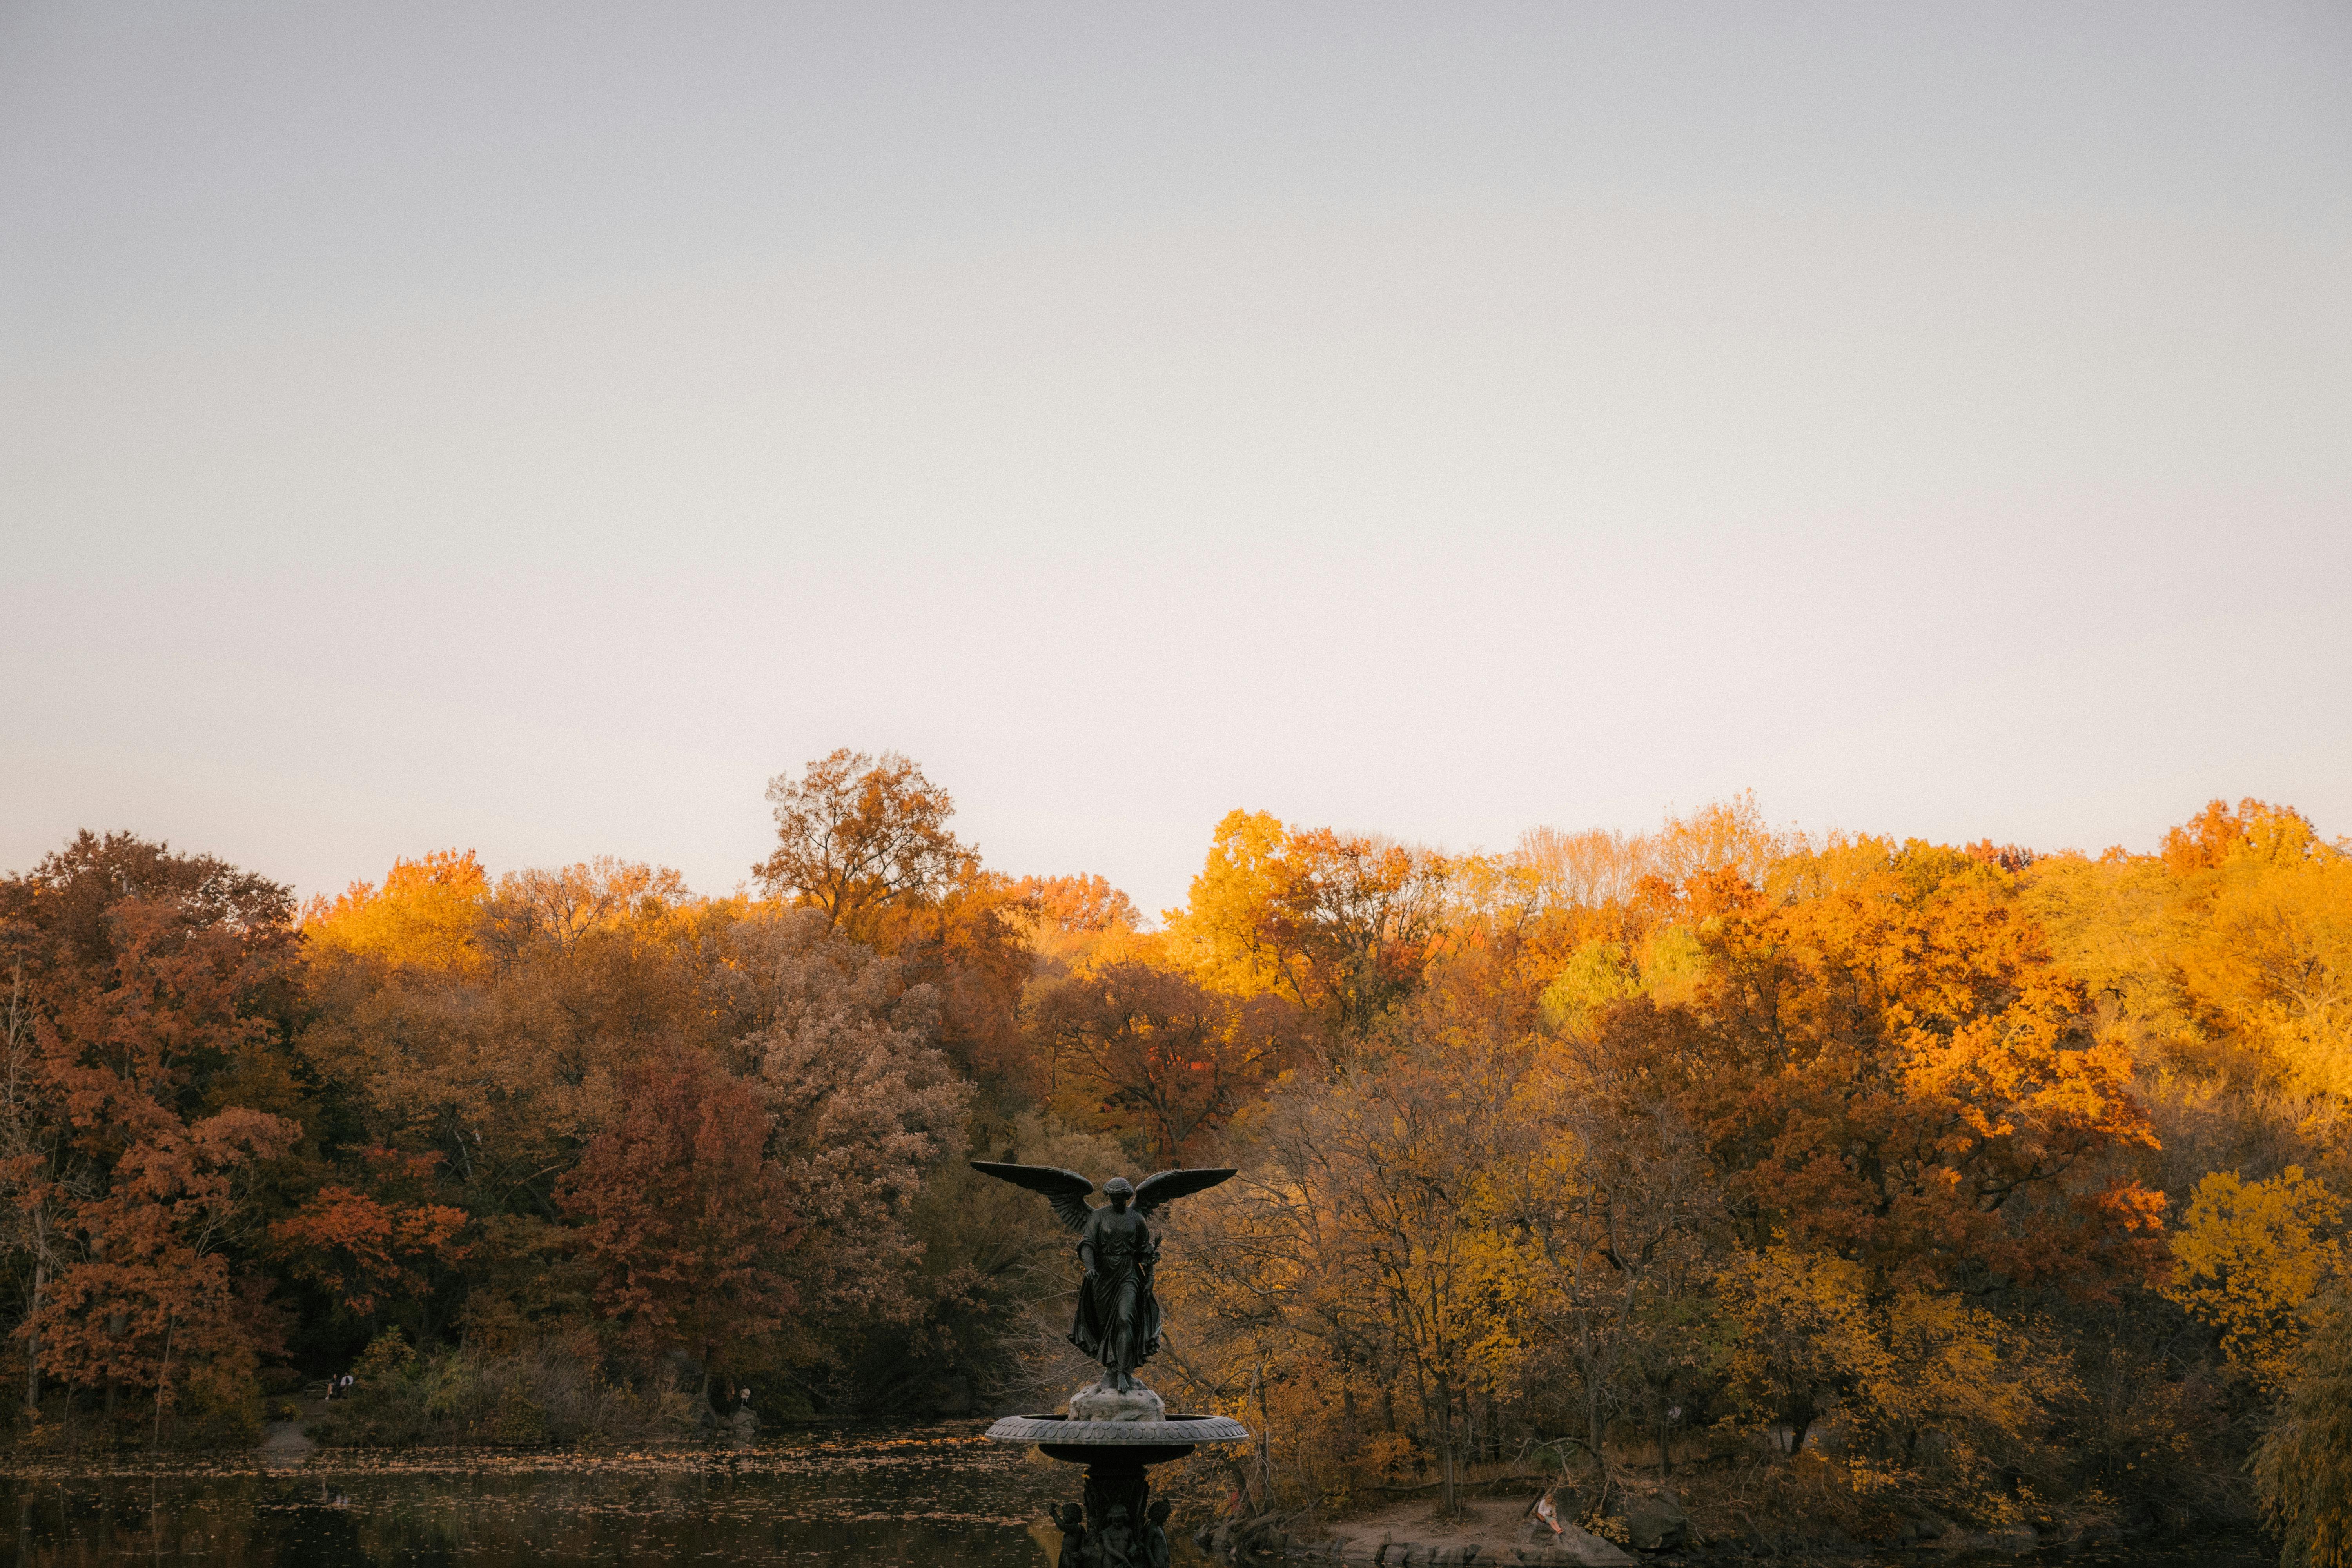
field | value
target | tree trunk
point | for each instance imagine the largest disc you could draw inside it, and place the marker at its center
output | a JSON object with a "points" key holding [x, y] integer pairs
{"points": [[1265, 1443], [1800, 1416], [33, 1341], [1445, 1446], [162, 1383]]}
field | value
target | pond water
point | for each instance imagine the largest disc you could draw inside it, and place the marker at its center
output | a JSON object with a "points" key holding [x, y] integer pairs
{"points": [[930, 1497], [942, 1497]]}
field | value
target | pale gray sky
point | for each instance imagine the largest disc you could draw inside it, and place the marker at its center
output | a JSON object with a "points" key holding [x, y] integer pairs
{"points": [[528, 427]]}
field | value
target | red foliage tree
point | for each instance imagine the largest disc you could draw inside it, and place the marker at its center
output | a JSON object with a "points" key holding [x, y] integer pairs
{"points": [[152, 982], [1137, 1049], [684, 1212]]}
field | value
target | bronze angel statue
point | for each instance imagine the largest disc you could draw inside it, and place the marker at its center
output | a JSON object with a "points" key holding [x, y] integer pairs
{"points": [[1117, 1321]]}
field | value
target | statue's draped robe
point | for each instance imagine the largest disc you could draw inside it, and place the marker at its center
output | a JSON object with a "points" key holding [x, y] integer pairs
{"points": [[1119, 1317]]}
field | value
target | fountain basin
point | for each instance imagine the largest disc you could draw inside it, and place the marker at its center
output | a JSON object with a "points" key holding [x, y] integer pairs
{"points": [[1135, 1442]]}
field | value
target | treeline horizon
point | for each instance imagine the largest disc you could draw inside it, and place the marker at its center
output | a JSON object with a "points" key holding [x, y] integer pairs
{"points": [[1948, 1182]]}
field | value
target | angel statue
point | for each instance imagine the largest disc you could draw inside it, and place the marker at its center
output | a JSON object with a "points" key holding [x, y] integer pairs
{"points": [[1119, 1317]]}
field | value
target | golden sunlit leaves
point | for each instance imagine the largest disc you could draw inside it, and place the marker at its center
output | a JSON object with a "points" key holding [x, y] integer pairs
{"points": [[427, 915], [2250, 1255], [2272, 964], [1340, 925]]}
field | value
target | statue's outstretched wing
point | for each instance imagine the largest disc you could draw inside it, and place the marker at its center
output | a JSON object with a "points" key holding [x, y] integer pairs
{"points": [[1066, 1190], [1164, 1187]]}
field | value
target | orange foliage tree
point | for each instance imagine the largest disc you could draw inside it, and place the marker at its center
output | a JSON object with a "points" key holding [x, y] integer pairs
{"points": [[362, 1245], [857, 835], [864, 840], [1895, 1071]]}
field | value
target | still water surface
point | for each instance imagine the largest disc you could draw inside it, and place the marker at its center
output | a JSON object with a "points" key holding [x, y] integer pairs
{"points": [[931, 1496]]}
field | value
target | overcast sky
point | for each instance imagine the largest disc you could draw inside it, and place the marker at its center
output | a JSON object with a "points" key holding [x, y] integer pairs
{"points": [[529, 427]]}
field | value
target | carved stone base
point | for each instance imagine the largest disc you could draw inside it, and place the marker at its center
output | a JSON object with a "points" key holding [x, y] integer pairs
{"points": [[1120, 1526], [1099, 1402]]}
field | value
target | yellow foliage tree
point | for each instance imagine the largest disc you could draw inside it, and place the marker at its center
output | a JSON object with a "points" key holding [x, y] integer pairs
{"points": [[1342, 924], [2272, 964], [2249, 1255], [1903, 1364], [1221, 934]]}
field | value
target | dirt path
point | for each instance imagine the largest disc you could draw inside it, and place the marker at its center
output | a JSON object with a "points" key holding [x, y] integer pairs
{"points": [[1409, 1535]]}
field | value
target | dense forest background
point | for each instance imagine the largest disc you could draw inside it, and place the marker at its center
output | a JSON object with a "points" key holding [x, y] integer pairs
{"points": [[1889, 1178]]}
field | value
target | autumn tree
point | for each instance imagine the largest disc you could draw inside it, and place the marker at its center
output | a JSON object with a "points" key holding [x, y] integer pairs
{"points": [[864, 1104], [865, 841], [427, 915], [1367, 1257], [1611, 1212], [686, 1217], [377, 1237], [2267, 956], [154, 990], [1601, 867], [1079, 904], [1342, 924], [570, 904], [2250, 1255], [37, 1158], [2303, 1468], [484, 1023], [1155, 1055], [856, 834], [1895, 1071]]}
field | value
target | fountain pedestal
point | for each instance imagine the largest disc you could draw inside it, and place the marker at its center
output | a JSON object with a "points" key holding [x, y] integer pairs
{"points": [[1117, 1454]]}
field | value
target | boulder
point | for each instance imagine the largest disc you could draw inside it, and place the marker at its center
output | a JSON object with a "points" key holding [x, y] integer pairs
{"points": [[1573, 1548], [1097, 1403], [1654, 1523], [1586, 1550]]}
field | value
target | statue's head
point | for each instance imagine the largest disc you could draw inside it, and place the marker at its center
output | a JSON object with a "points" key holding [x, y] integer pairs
{"points": [[1158, 1512], [1120, 1191]]}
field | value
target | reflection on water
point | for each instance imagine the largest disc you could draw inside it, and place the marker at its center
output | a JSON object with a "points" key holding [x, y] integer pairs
{"points": [[2203, 1552], [932, 1496], [940, 1496]]}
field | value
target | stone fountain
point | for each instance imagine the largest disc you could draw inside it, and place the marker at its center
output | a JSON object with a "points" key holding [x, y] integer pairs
{"points": [[1116, 1427]]}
